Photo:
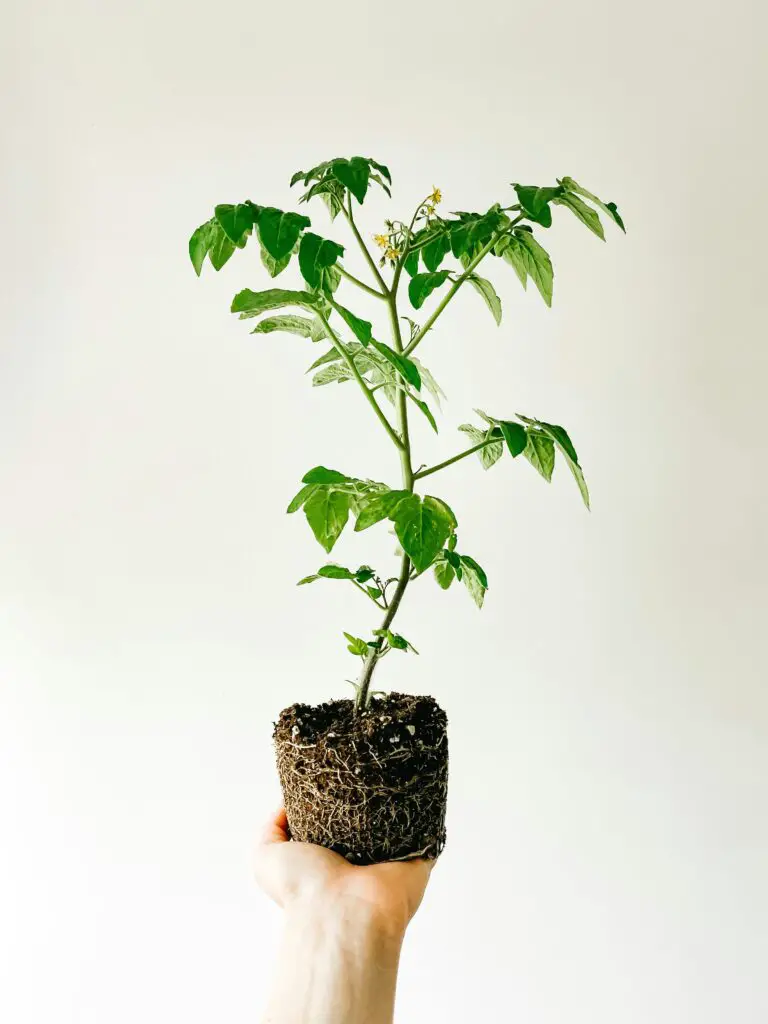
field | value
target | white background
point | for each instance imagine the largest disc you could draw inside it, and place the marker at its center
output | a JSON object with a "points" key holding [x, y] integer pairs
{"points": [[607, 820]]}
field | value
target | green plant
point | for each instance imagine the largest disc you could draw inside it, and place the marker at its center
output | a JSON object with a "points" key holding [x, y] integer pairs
{"points": [[425, 525]]}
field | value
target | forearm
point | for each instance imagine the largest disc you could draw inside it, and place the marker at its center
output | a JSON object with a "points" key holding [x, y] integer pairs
{"points": [[337, 965]]}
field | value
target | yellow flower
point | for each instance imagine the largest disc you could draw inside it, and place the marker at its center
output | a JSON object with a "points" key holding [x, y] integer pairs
{"points": [[391, 253], [381, 240], [436, 195], [430, 209]]}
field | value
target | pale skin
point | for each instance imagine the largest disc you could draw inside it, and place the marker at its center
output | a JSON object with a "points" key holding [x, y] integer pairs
{"points": [[343, 931]]}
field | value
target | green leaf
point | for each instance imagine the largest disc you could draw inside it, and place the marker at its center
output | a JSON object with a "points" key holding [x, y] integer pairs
{"points": [[565, 446], [200, 243], [336, 373], [237, 221], [584, 213], [515, 436], [492, 452], [249, 304], [273, 266], [308, 579], [279, 231], [535, 202], [380, 506], [327, 512], [301, 497], [421, 286], [321, 475], [472, 230], [335, 572], [289, 324], [435, 251], [221, 248], [360, 328], [488, 293], [422, 527], [428, 381], [356, 645], [540, 452], [319, 330], [316, 255], [425, 409], [474, 579], [364, 573], [536, 262], [353, 174], [382, 169], [609, 208], [411, 263], [511, 250], [373, 592], [404, 366], [444, 574]]}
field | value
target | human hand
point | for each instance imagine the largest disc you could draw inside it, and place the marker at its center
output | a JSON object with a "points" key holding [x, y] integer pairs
{"points": [[301, 874]]}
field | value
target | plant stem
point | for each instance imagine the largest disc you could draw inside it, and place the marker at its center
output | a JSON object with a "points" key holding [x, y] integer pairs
{"points": [[359, 283], [408, 479], [369, 259], [364, 591], [337, 344], [462, 455]]}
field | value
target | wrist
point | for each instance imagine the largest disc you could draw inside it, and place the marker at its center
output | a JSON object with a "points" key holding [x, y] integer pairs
{"points": [[346, 919]]}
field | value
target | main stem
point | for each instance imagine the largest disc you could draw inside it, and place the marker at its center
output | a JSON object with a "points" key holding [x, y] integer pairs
{"points": [[408, 480]]}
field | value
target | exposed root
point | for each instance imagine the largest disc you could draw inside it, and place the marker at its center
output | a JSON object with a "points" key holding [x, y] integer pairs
{"points": [[371, 786]]}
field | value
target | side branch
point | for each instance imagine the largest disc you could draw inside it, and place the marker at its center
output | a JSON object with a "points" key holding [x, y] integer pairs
{"points": [[364, 248], [341, 349], [462, 455]]}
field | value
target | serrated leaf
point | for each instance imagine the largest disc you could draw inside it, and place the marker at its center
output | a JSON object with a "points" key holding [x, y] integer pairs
{"points": [[336, 373], [536, 261], [422, 527], [356, 645], [200, 243], [474, 579], [327, 512], [316, 256], [237, 220], [380, 506], [535, 202], [425, 409], [421, 286], [515, 436], [411, 263], [279, 231], [491, 453], [428, 381], [435, 251], [353, 174], [609, 208], [583, 212], [444, 574], [565, 446], [540, 452], [335, 572], [221, 248], [322, 475], [404, 366], [289, 324], [270, 264], [249, 303], [488, 293], [362, 329], [301, 497]]}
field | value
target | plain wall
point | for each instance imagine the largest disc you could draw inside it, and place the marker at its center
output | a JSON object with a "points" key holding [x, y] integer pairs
{"points": [[607, 820]]}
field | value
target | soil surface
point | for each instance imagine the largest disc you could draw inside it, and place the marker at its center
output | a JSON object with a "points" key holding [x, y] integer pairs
{"points": [[371, 786]]}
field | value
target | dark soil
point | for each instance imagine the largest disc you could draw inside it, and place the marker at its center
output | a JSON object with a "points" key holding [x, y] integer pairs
{"points": [[371, 786]]}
